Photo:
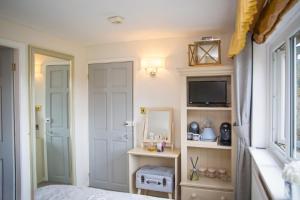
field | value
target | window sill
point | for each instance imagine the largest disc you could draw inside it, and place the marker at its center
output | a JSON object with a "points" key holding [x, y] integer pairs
{"points": [[270, 172]]}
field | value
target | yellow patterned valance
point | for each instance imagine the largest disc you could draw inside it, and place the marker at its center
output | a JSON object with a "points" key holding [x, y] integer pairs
{"points": [[269, 17], [246, 11]]}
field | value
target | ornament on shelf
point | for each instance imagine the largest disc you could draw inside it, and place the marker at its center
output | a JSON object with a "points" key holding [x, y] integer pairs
{"points": [[194, 172], [208, 133], [206, 123], [205, 52]]}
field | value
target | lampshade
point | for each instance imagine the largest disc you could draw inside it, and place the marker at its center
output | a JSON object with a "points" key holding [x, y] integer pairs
{"points": [[152, 62], [152, 65]]}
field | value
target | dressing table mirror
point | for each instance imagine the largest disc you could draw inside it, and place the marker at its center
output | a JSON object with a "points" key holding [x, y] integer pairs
{"points": [[158, 126]]}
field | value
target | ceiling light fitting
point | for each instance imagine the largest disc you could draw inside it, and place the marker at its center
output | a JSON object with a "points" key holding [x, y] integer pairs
{"points": [[115, 19]]}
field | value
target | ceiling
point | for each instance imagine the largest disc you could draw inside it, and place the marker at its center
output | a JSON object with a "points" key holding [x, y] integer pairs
{"points": [[85, 21]]}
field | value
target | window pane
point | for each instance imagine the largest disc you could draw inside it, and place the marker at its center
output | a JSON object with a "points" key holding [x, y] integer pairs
{"points": [[279, 104], [296, 61]]}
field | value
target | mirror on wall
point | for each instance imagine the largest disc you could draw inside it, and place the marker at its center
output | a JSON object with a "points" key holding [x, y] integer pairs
{"points": [[51, 119], [158, 125]]}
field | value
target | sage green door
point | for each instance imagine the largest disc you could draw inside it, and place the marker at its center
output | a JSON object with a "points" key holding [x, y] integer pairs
{"points": [[110, 113], [7, 158], [57, 123]]}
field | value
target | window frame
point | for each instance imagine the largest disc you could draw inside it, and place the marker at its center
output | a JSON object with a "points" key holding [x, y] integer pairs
{"points": [[275, 69], [282, 155], [293, 59], [284, 32]]}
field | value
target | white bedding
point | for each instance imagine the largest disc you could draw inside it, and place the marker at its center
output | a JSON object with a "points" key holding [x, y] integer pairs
{"points": [[69, 192]]}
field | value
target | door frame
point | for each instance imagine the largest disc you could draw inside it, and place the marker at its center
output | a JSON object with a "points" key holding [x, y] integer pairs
{"points": [[135, 66], [32, 50], [20, 117]]}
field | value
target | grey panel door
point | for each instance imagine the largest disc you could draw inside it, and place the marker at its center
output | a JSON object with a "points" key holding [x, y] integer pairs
{"points": [[7, 164], [57, 123], [110, 106]]}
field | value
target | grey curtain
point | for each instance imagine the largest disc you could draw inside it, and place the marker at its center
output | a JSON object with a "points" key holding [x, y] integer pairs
{"points": [[243, 98]]}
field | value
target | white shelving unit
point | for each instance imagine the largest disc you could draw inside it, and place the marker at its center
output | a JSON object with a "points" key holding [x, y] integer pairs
{"points": [[209, 145], [211, 154]]}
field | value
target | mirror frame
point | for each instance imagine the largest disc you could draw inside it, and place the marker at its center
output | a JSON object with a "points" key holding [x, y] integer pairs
{"points": [[32, 50], [170, 111]]}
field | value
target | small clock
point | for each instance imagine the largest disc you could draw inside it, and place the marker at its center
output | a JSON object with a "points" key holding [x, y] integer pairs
{"points": [[225, 130]]}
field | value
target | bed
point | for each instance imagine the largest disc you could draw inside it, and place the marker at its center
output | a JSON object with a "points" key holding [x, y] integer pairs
{"points": [[70, 192]]}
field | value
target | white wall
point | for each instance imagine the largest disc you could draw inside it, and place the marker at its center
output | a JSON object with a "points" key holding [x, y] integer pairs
{"points": [[21, 34], [259, 101], [163, 90]]}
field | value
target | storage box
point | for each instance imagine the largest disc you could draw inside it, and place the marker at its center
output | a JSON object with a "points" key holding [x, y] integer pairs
{"points": [[155, 178]]}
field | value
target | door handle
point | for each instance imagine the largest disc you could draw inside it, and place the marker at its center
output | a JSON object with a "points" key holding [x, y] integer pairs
{"points": [[48, 120], [125, 124], [128, 123]]}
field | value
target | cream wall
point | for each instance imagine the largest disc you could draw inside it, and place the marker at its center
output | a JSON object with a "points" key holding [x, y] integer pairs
{"points": [[12, 32], [163, 90]]}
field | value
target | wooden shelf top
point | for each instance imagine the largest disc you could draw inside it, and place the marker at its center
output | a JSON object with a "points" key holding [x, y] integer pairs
{"points": [[206, 70], [168, 153], [210, 145], [209, 183], [210, 108]]}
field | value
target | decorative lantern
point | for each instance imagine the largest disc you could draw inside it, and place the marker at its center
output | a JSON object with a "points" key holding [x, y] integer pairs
{"points": [[205, 52]]}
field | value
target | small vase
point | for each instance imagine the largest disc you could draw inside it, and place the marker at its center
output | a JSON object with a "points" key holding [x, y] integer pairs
{"points": [[295, 192]]}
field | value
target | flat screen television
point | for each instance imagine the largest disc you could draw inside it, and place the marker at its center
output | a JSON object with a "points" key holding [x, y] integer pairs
{"points": [[207, 93]]}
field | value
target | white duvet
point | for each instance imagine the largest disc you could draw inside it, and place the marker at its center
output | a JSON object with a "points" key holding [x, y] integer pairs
{"points": [[69, 192]]}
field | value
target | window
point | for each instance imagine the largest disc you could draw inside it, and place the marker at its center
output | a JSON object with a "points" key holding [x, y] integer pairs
{"points": [[295, 63], [285, 97], [279, 97]]}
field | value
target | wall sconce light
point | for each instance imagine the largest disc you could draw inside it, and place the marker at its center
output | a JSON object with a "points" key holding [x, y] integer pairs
{"points": [[151, 65]]}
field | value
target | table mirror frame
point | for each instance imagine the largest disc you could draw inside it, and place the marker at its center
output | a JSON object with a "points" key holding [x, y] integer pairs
{"points": [[146, 128]]}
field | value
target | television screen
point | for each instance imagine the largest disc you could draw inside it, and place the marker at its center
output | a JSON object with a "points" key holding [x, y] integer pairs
{"points": [[207, 93]]}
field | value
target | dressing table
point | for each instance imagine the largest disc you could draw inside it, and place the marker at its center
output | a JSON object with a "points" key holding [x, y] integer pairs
{"points": [[158, 128]]}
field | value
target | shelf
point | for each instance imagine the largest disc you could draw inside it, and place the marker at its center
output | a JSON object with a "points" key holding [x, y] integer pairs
{"points": [[215, 70], [168, 153], [210, 145], [209, 183], [210, 108]]}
